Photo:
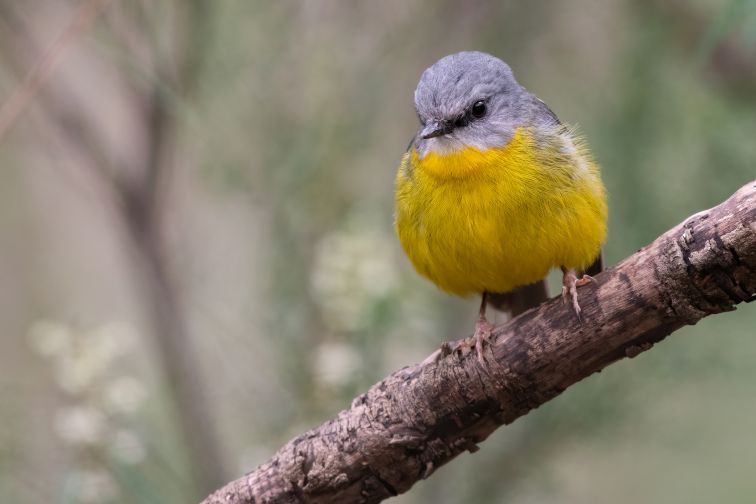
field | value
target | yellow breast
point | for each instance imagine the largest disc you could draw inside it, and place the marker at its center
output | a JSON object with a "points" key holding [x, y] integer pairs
{"points": [[474, 221]]}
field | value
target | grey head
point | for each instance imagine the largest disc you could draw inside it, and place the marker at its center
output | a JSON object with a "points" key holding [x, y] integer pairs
{"points": [[471, 99]]}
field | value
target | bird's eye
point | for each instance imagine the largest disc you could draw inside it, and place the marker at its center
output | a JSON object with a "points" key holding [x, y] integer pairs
{"points": [[478, 109]]}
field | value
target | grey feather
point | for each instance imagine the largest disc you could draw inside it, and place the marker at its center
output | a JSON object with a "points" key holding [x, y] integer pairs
{"points": [[448, 89]]}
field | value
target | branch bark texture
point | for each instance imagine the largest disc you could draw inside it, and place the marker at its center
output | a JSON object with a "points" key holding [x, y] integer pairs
{"points": [[424, 415]]}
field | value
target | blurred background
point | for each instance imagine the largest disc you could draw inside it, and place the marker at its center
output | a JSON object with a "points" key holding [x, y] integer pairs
{"points": [[198, 263]]}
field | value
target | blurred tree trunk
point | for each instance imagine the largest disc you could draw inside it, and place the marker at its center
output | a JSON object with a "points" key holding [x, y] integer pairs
{"points": [[141, 211], [136, 184]]}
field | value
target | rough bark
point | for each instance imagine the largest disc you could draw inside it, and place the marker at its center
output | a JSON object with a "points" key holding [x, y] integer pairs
{"points": [[422, 416]]}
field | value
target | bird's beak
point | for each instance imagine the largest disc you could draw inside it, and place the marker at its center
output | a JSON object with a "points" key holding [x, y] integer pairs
{"points": [[436, 128]]}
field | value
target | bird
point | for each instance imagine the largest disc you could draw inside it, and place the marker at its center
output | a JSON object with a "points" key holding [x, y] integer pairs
{"points": [[494, 191]]}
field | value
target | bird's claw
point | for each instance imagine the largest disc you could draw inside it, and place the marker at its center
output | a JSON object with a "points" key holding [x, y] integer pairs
{"points": [[583, 280], [570, 283]]}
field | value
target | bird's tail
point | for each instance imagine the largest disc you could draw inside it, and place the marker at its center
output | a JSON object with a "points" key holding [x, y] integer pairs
{"points": [[521, 299], [528, 296]]}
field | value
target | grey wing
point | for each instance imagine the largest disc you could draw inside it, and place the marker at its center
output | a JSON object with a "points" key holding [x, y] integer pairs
{"points": [[542, 114], [528, 296], [546, 115]]}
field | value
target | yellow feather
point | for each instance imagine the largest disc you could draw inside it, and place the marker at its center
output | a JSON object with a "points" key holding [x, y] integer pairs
{"points": [[474, 221]]}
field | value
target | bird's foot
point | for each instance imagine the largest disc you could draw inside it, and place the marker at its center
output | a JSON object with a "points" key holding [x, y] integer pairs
{"points": [[570, 283], [482, 336]]}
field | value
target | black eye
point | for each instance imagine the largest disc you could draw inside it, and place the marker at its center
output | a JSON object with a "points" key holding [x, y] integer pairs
{"points": [[478, 109]]}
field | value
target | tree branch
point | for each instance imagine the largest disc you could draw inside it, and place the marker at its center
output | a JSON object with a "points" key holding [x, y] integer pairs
{"points": [[424, 415]]}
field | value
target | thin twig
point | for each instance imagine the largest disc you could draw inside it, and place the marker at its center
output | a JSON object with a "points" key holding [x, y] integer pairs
{"points": [[12, 109]]}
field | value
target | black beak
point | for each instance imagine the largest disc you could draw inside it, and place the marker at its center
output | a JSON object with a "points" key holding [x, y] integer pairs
{"points": [[436, 129]]}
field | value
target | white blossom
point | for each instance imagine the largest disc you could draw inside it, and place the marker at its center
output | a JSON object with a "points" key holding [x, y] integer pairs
{"points": [[80, 425], [124, 395], [336, 363]]}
